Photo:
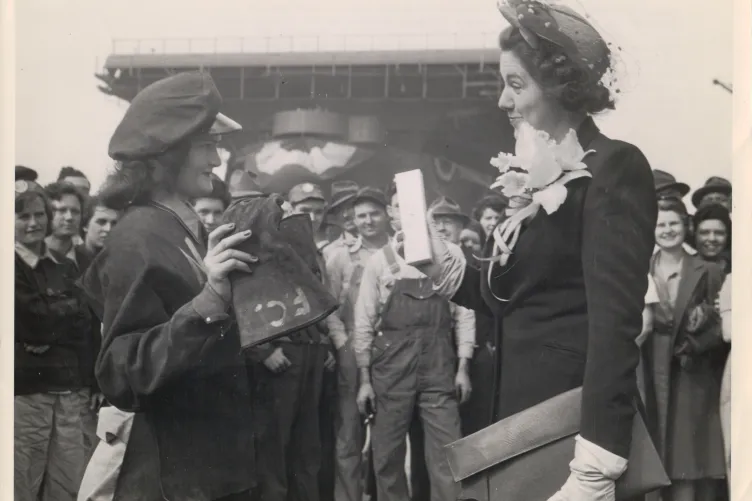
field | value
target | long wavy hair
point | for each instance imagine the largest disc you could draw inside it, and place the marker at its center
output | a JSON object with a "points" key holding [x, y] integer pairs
{"points": [[133, 182]]}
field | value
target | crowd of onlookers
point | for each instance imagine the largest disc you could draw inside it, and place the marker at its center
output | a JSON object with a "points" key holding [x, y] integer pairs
{"points": [[312, 416]]}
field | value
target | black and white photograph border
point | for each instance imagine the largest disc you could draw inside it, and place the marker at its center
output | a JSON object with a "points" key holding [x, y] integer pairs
{"points": [[323, 106]]}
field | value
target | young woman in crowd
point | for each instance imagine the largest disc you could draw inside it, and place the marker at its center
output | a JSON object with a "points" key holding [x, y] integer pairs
{"points": [[712, 235], [52, 323], [683, 354], [571, 293], [489, 212]]}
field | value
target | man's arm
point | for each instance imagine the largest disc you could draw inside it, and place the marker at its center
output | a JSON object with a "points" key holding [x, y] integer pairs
{"points": [[464, 328], [335, 267], [366, 315]]}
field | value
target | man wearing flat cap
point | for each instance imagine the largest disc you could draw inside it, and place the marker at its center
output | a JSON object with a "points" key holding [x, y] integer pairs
{"points": [[716, 190], [338, 218], [345, 268], [308, 198], [179, 424]]}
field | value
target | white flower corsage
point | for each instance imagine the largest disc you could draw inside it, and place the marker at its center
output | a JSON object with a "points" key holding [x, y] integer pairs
{"points": [[534, 177]]}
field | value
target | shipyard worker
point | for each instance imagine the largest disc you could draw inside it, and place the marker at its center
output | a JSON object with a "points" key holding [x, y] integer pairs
{"points": [[179, 425]]}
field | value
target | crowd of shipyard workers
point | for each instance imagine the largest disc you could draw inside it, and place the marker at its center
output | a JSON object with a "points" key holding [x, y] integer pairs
{"points": [[426, 364]]}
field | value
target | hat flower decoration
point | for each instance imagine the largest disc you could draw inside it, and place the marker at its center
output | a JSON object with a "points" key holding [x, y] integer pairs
{"points": [[534, 177]]}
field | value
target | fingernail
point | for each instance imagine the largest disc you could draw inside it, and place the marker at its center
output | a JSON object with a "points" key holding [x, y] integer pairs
{"points": [[231, 225], [247, 233]]}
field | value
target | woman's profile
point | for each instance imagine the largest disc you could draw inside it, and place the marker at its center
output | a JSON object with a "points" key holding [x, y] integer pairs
{"points": [[566, 283]]}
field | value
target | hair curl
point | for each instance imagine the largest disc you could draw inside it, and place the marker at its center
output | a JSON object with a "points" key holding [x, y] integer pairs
{"points": [[56, 191], [677, 206], [133, 181], [575, 88], [69, 171]]}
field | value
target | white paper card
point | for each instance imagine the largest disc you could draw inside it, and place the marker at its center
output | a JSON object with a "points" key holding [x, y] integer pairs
{"points": [[411, 195]]}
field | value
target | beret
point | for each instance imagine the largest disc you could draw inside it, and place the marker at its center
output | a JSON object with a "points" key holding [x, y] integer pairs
{"points": [[167, 112]]}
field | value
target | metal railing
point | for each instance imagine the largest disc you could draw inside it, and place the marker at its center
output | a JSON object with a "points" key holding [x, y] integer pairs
{"points": [[302, 43]]}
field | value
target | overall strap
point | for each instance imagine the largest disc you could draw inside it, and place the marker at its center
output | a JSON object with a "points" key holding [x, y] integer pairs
{"points": [[391, 260]]}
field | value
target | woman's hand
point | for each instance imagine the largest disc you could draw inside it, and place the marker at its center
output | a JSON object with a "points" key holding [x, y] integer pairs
{"points": [[221, 259], [593, 474]]}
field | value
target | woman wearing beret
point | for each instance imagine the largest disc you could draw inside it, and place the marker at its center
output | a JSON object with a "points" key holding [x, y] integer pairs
{"points": [[685, 357], [566, 283], [179, 424]]}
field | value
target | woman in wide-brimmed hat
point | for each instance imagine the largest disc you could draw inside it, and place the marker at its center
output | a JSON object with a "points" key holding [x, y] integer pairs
{"points": [[566, 274]]}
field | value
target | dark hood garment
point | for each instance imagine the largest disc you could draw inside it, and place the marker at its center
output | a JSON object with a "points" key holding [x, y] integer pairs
{"points": [[285, 292], [169, 359]]}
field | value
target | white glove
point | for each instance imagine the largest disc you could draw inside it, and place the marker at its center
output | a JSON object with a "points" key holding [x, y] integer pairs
{"points": [[594, 471]]}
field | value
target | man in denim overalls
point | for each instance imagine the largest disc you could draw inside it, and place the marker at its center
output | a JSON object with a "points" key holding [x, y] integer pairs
{"points": [[404, 348]]}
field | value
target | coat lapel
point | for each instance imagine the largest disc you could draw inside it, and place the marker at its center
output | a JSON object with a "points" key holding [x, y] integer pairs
{"points": [[692, 271]]}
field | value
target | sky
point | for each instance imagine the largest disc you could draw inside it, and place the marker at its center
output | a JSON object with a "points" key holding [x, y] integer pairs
{"points": [[671, 52]]}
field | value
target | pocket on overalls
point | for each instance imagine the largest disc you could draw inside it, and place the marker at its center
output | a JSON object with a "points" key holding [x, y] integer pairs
{"points": [[379, 348]]}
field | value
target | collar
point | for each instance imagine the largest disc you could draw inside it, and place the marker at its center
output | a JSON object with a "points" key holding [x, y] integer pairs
{"points": [[183, 210], [31, 259], [688, 249], [360, 244], [71, 254], [586, 132]]}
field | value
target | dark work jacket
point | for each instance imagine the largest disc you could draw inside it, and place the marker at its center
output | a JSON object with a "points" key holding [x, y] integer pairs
{"points": [[180, 372], [50, 310], [576, 283]]}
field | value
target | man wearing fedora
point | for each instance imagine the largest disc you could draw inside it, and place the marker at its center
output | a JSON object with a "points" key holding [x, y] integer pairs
{"points": [[407, 341], [716, 190], [666, 186]]}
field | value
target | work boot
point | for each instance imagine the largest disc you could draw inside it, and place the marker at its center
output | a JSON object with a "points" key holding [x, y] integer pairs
{"points": [[285, 292]]}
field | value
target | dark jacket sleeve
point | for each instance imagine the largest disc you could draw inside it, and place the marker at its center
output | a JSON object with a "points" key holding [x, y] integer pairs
{"points": [[144, 347], [469, 294], [618, 239]]}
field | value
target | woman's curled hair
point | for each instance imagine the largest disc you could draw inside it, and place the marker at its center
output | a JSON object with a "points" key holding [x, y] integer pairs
{"points": [[133, 181], [575, 88]]}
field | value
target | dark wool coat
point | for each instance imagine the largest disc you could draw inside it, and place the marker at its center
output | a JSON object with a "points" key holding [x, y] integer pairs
{"points": [[575, 285], [683, 400], [172, 357]]}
